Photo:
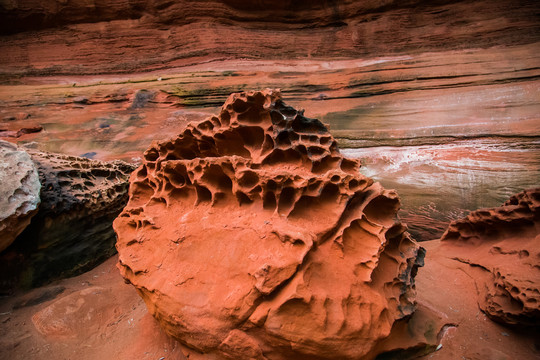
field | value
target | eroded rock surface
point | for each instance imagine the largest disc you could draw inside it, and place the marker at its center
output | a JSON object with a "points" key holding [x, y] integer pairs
{"points": [[250, 236], [19, 192], [62, 319], [72, 231], [502, 247], [158, 34]]}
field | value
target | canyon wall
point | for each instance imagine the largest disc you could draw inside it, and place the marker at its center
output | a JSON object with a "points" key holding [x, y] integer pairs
{"points": [[62, 36]]}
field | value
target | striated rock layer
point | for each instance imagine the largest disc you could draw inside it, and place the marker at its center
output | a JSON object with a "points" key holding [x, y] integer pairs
{"points": [[74, 37], [19, 192], [72, 230], [502, 247], [250, 236]]}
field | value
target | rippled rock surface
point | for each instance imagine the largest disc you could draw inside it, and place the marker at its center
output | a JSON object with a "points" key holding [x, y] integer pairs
{"points": [[250, 236]]}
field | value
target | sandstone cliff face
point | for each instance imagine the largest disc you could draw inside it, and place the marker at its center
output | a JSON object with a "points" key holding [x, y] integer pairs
{"points": [[19, 192], [59, 37], [502, 247], [72, 230], [250, 236]]}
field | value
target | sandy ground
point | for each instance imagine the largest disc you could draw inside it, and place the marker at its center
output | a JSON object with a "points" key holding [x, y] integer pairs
{"points": [[92, 316]]}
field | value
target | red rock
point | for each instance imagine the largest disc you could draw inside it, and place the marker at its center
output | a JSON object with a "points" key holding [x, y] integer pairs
{"points": [[62, 319], [59, 37], [250, 233], [129, 332], [20, 132], [502, 248], [449, 288]]}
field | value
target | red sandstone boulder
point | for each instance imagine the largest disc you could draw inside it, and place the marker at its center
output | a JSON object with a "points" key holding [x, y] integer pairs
{"points": [[250, 236], [502, 247]]}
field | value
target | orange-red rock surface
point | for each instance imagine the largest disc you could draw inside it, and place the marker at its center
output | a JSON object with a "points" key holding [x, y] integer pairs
{"points": [[88, 317], [437, 99], [450, 288], [250, 236], [483, 276], [96, 315], [447, 144], [59, 37], [502, 248]]}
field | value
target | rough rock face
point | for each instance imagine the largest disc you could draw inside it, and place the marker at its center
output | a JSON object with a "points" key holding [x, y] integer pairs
{"points": [[72, 230], [250, 236], [19, 192], [502, 247], [59, 36]]}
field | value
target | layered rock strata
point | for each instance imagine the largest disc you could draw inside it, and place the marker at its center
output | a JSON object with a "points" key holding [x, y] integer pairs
{"points": [[250, 236], [59, 37], [19, 192], [72, 231], [502, 248]]}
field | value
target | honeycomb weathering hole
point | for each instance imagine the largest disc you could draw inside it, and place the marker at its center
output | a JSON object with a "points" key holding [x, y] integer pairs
{"points": [[382, 210], [240, 210]]}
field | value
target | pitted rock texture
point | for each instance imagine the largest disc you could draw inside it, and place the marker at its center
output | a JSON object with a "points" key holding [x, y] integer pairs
{"points": [[19, 192], [502, 247], [72, 232], [250, 236]]}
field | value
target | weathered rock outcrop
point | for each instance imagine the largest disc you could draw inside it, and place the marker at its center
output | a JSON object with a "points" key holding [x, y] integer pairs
{"points": [[58, 36], [19, 192], [502, 247], [250, 236], [72, 230]]}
